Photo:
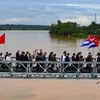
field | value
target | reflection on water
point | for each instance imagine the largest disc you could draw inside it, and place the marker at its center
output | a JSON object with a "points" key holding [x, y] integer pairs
{"points": [[30, 40], [62, 38]]}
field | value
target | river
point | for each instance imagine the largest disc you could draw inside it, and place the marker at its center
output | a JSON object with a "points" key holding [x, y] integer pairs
{"points": [[29, 40]]}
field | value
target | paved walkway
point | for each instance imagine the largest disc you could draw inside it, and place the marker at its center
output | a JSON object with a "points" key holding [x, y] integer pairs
{"points": [[49, 89]]}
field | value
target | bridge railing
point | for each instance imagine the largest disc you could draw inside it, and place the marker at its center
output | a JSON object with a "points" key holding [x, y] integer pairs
{"points": [[33, 59], [50, 69]]}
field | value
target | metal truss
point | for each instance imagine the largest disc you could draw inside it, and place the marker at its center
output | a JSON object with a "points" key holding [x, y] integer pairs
{"points": [[49, 69]]}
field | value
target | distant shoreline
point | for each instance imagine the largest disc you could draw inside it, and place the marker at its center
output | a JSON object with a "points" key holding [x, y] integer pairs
{"points": [[26, 30], [24, 27]]}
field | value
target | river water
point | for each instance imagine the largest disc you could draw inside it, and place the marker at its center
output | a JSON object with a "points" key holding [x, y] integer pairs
{"points": [[30, 40]]}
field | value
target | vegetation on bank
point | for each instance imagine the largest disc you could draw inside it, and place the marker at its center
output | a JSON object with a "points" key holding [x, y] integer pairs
{"points": [[73, 29], [24, 27]]}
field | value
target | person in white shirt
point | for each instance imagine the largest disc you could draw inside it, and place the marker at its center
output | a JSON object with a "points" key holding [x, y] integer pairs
{"points": [[8, 59], [97, 56], [63, 57]]}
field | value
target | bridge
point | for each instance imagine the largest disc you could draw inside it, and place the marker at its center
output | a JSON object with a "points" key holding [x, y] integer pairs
{"points": [[48, 69]]}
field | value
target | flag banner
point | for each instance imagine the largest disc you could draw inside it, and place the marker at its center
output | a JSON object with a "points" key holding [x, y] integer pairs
{"points": [[87, 41], [2, 39], [93, 43]]}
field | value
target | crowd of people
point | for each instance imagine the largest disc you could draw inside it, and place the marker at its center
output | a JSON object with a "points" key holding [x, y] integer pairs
{"points": [[39, 55], [65, 57]]}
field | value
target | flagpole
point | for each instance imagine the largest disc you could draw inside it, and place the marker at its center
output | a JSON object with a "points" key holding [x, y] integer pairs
{"points": [[4, 49], [96, 32], [5, 46]]}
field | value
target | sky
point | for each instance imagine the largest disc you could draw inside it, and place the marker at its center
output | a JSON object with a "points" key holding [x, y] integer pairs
{"points": [[46, 12]]}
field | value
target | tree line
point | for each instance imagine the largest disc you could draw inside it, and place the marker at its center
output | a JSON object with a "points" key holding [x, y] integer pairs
{"points": [[74, 29], [24, 27]]}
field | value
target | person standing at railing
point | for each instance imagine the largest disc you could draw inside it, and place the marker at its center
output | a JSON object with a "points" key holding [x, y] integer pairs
{"points": [[35, 53], [63, 59], [67, 59], [26, 59], [30, 57], [1, 58], [77, 58], [81, 59], [73, 58], [39, 57], [26, 56], [89, 65], [44, 59], [44, 56], [6, 55], [54, 57], [18, 56], [9, 59], [2, 65], [50, 58], [97, 56], [98, 60], [54, 66], [22, 57]]}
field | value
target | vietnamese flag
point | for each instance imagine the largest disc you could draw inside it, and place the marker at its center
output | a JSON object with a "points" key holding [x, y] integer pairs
{"points": [[2, 39]]}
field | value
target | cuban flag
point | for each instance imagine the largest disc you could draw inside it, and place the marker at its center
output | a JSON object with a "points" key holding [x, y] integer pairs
{"points": [[87, 42], [93, 43]]}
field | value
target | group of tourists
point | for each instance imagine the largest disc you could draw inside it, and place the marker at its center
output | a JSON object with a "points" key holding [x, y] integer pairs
{"points": [[39, 55]]}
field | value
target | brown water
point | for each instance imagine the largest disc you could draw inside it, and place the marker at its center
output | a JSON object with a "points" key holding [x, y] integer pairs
{"points": [[49, 89], [30, 40]]}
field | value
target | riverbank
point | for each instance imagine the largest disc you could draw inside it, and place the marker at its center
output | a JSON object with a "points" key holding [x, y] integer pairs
{"points": [[49, 89]]}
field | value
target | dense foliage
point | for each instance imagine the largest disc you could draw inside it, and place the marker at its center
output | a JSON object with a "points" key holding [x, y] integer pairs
{"points": [[73, 29], [24, 27]]}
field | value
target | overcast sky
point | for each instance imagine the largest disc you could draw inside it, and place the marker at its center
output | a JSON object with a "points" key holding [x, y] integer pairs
{"points": [[46, 12]]}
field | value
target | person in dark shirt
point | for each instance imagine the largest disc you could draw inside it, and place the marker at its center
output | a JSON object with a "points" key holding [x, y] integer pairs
{"points": [[50, 58], [23, 56], [39, 57], [89, 58], [73, 65], [73, 57], [78, 56], [44, 56], [18, 57], [6, 55], [26, 56], [67, 57], [54, 57]]}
